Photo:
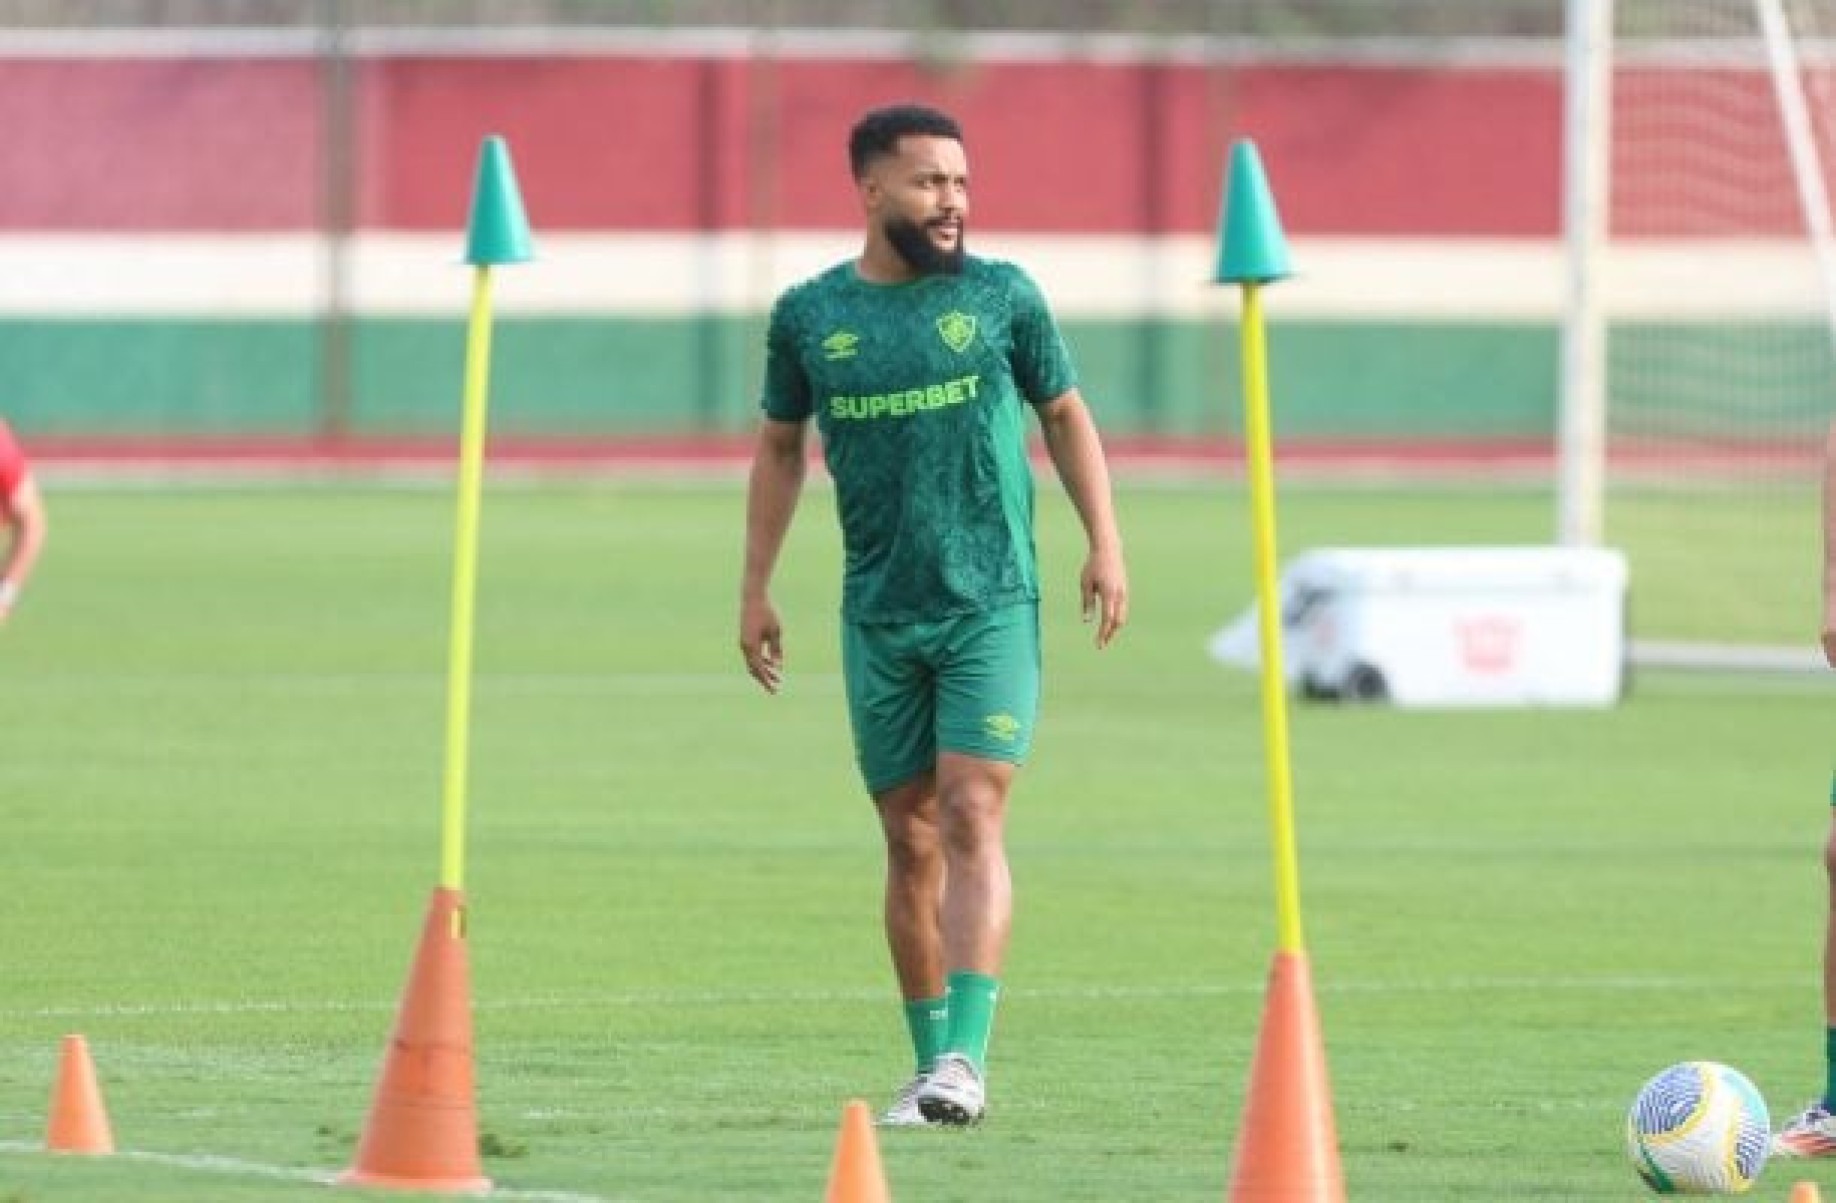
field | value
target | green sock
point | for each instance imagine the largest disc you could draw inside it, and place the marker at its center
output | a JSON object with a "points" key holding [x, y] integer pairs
{"points": [[927, 1019], [1829, 1068], [970, 1000]]}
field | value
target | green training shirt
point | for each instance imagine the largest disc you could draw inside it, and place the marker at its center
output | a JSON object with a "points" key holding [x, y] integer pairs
{"points": [[918, 390]]}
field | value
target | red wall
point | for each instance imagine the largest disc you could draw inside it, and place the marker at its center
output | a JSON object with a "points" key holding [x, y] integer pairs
{"points": [[158, 144], [610, 142]]}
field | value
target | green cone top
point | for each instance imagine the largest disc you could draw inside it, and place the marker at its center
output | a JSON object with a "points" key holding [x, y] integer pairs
{"points": [[498, 230], [1251, 246]]}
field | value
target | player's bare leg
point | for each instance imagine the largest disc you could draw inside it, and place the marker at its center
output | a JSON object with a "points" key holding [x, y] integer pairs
{"points": [[914, 935], [978, 902], [976, 920]]}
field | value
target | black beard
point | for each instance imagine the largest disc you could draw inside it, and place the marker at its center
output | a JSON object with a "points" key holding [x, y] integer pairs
{"points": [[922, 255]]}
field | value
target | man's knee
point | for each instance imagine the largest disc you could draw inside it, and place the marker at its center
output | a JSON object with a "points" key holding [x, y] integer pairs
{"points": [[972, 800], [908, 817]]}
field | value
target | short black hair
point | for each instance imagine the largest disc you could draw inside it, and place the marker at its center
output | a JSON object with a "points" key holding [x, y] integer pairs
{"points": [[877, 134]]}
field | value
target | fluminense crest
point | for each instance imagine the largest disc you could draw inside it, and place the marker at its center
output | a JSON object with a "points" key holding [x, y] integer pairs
{"points": [[958, 330]]}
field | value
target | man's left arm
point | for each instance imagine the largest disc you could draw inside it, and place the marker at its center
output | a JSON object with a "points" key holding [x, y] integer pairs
{"points": [[1077, 453]]}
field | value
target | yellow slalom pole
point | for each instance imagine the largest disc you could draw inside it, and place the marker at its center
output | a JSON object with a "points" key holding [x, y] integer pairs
{"points": [[1287, 1147], [465, 582], [422, 1133], [1268, 612]]}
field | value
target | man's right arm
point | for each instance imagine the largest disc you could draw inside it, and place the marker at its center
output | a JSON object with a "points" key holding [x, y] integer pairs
{"points": [[779, 463], [25, 515]]}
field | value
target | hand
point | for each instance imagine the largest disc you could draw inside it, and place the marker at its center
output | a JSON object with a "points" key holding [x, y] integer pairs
{"points": [[762, 643], [1829, 645], [1105, 593]]}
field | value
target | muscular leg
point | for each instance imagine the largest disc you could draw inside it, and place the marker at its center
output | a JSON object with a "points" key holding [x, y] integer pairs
{"points": [[978, 900], [978, 904], [914, 885], [949, 896]]}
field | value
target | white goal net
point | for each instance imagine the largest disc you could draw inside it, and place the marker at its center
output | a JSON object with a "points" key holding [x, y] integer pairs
{"points": [[1700, 242]]}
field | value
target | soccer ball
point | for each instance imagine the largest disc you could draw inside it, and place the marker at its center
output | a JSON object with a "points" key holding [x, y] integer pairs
{"points": [[1698, 1128]]}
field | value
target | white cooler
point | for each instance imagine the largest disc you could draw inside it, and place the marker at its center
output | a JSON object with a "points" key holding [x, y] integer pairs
{"points": [[1449, 626]]}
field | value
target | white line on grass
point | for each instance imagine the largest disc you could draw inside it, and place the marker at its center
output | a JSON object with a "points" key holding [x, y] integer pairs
{"points": [[622, 683], [212, 1163], [208, 1162], [1610, 983]]}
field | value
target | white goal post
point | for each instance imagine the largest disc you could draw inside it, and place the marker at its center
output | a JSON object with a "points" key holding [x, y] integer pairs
{"points": [[1587, 140]]}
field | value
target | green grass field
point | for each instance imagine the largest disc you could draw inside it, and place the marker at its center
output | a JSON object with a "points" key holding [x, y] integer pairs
{"points": [[221, 716]]}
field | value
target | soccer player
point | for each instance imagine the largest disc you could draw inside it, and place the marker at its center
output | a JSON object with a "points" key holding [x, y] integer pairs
{"points": [[919, 364], [1812, 1133], [22, 515]]}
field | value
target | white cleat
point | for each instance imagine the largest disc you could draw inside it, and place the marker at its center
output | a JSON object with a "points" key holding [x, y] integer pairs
{"points": [[903, 1112], [1811, 1133], [952, 1093]]}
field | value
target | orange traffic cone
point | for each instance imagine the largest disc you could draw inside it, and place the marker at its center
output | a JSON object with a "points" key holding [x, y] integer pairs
{"points": [[79, 1122], [857, 1176], [1287, 1147], [1805, 1192], [422, 1132]]}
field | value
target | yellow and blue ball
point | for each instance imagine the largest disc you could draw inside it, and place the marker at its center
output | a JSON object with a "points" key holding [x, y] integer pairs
{"points": [[1698, 1128]]}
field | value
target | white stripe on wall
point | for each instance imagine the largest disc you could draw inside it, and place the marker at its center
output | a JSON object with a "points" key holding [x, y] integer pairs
{"points": [[679, 275]]}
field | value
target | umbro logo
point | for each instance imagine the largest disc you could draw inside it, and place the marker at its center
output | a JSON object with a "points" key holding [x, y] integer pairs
{"points": [[841, 345], [1004, 727]]}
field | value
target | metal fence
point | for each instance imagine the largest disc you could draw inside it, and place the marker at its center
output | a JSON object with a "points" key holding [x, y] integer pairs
{"points": [[1229, 18]]}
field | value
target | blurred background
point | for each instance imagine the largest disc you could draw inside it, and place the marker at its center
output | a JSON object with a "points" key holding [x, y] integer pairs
{"points": [[238, 222]]}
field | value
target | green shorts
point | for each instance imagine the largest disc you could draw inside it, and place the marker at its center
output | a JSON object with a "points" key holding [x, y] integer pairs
{"points": [[967, 684]]}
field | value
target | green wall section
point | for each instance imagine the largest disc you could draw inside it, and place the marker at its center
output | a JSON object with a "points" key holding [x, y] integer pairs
{"points": [[137, 377], [614, 376], [1336, 379]]}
